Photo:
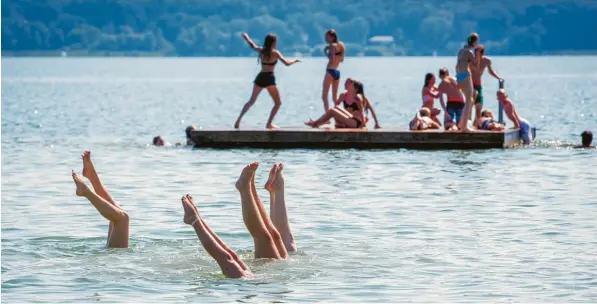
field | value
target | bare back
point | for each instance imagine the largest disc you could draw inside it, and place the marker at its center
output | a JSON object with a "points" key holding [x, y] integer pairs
{"points": [[269, 64], [465, 56], [449, 86]]}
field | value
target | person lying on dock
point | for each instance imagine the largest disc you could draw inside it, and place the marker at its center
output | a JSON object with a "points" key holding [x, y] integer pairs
{"points": [[351, 116], [423, 121], [271, 235], [429, 93], [487, 122], [452, 110], [587, 139], [118, 230], [519, 122]]}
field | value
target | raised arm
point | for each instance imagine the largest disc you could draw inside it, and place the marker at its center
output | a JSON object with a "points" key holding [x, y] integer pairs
{"points": [[370, 107], [286, 61], [251, 43], [491, 71]]}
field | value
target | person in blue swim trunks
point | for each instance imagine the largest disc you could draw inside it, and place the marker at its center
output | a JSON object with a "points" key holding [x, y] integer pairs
{"points": [[519, 122], [335, 52], [466, 59]]}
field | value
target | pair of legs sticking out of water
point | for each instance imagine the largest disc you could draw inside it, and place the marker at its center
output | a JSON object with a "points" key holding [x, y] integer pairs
{"points": [[272, 236]]}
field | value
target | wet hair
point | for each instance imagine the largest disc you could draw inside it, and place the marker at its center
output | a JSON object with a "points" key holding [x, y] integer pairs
{"points": [[424, 112], [332, 33], [587, 138], [155, 140], [428, 78], [443, 72], [472, 38], [481, 49], [188, 130], [486, 113], [268, 44], [358, 87]]}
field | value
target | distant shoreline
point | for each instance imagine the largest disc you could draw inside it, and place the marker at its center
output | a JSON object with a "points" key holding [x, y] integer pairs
{"points": [[128, 54]]}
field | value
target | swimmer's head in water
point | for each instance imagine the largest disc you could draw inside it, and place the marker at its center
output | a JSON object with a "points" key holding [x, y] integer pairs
{"points": [[429, 79], [472, 39], [487, 113], [269, 44], [424, 112], [501, 94], [188, 130], [480, 49], [158, 141], [587, 138], [331, 36], [443, 73]]}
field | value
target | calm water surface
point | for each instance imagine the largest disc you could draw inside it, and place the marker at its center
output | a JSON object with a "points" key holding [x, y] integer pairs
{"points": [[371, 226]]}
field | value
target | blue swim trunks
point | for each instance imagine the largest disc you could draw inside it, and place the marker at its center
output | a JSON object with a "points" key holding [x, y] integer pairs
{"points": [[525, 131], [334, 73], [460, 77]]}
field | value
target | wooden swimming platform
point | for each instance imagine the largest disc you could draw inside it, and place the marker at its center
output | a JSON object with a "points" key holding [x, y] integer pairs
{"points": [[304, 138]]}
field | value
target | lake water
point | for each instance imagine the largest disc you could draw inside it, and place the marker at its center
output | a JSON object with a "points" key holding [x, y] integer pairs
{"points": [[371, 226]]}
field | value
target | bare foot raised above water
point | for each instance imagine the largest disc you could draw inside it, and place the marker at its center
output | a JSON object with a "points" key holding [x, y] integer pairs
{"points": [[272, 126], [279, 180], [82, 189], [88, 167], [245, 177], [190, 211], [272, 176]]}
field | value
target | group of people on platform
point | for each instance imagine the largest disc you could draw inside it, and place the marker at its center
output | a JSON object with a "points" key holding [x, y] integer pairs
{"points": [[464, 92], [351, 107]]}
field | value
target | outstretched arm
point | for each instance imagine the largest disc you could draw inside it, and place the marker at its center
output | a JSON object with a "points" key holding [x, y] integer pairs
{"points": [[370, 107], [286, 61], [491, 71], [251, 43]]}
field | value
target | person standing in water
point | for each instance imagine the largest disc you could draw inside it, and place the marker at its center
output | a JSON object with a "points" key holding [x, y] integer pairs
{"points": [[466, 57], [335, 52], [268, 56], [477, 73], [118, 231]]}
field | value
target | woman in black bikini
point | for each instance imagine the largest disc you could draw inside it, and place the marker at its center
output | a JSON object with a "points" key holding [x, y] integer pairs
{"points": [[335, 52], [268, 55], [351, 116]]}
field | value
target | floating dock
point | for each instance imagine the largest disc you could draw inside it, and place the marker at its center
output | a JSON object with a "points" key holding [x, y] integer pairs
{"points": [[303, 138]]}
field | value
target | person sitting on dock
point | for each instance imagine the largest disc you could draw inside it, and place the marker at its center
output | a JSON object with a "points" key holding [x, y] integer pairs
{"points": [[429, 94], [351, 116], [366, 104], [452, 110], [118, 230], [272, 237], [587, 139], [268, 56], [423, 121], [519, 122], [487, 122]]}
